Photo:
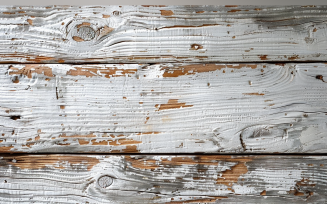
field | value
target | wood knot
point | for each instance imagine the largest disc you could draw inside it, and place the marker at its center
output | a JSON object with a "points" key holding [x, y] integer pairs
{"points": [[263, 137], [105, 181], [88, 31], [84, 32]]}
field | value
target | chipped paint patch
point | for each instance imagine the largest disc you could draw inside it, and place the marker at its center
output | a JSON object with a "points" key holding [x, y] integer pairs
{"points": [[29, 69], [6, 149], [172, 104], [263, 57], [229, 177], [166, 12], [30, 21], [142, 163], [108, 72], [77, 136], [199, 68], [204, 200]]}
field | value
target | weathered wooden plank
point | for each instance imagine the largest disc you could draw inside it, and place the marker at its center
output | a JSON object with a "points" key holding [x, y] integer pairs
{"points": [[164, 108], [162, 179], [144, 34]]}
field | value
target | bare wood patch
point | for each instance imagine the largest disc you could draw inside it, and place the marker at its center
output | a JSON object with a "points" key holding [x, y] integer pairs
{"points": [[199, 68], [35, 162], [28, 70], [172, 104], [166, 12]]}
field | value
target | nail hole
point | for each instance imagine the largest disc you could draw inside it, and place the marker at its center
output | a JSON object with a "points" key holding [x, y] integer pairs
{"points": [[320, 77], [196, 47], [15, 117]]}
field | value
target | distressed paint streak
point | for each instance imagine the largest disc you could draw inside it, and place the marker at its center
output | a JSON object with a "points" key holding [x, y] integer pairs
{"points": [[205, 200], [142, 163], [234, 10], [108, 72], [28, 70], [254, 94], [147, 133], [200, 68], [35, 162], [77, 136], [189, 26], [172, 104]]}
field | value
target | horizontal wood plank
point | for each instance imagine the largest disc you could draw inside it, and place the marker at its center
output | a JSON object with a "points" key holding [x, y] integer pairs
{"points": [[162, 179], [147, 34], [166, 108]]}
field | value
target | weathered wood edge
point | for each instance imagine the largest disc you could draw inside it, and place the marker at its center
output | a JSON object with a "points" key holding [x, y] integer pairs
{"points": [[148, 34], [162, 179]]}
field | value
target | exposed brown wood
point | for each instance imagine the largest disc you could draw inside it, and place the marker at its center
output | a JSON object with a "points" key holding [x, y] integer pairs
{"points": [[175, 98]]}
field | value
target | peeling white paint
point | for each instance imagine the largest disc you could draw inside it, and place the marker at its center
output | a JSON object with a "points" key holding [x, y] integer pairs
{"points": [[138, 34], [194, 180], [126, 106]]}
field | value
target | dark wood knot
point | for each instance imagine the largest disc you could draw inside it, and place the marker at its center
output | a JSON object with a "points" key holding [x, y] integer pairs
{"points": [[105, 181]]}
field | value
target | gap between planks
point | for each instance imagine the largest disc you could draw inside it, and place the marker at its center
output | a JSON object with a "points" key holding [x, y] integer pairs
{"points": [[172, 62], [166, 154]]}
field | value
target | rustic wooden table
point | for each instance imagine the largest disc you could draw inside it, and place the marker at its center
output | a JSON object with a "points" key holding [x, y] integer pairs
{"points": [[163, 104]]}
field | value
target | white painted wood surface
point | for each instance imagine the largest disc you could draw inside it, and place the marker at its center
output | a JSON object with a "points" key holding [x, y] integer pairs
{"points": [[146, 34], [164, 108], [134, 79], [162, 179]]}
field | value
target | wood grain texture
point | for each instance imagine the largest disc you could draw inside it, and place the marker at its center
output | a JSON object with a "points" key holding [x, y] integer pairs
{"points": [[162, 179], [167, 108], [146, 34]]}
